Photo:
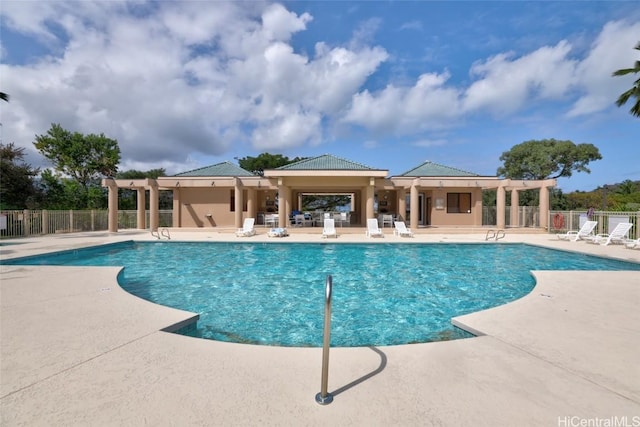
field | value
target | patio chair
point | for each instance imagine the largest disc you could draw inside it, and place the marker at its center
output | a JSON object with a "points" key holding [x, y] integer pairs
{"points": [[344, 219], [402, 230], [271, 220], [585, 231], [372, 228], [387, 220], [329, 229], [618, 235], [247, 228]]}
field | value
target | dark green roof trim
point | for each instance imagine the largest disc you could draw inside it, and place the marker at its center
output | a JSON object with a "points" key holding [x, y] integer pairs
{"points": [[219, 169], [326, 162], [433, 169]]}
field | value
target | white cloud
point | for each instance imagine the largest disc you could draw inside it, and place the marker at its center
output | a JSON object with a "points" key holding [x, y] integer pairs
{"points": [[288, 130], [506, 85], [280, 24], [430, 142], [411, 25], [429, 104], [611, 51], [174, 79]]}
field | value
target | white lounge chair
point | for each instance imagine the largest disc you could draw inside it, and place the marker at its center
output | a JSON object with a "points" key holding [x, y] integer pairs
{"points": [[278, 232], [631, 243], [585, 231], [402, 230], [329, 229], [618, 235], [372, 228], [247, 228]]}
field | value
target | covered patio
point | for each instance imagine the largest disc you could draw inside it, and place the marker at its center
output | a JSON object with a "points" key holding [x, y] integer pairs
{"points": [[223, 195]]}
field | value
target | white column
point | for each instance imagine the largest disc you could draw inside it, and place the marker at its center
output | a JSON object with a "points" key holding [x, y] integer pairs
{"points": [[500, 206], [515, 202], [142, 205]]}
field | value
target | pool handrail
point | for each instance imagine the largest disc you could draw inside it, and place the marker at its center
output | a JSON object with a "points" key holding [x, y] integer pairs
{"points": [[324, 397]]}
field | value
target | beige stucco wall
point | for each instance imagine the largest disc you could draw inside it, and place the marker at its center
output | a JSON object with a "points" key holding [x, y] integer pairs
{"points": [[196, 203], [440, 217]]}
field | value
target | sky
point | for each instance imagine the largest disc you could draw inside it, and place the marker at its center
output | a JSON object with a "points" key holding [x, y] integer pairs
{"points": [[389, 84]]}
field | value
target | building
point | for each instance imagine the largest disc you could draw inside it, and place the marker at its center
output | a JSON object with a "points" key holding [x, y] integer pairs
{"points": [[430, 194]]}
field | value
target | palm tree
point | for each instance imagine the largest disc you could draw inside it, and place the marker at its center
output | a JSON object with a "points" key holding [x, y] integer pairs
{"points": [[635, 89], [4, 96]]}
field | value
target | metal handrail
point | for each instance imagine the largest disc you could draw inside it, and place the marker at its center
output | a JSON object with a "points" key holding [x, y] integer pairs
{"points": [[324, 397], [495, 235]]}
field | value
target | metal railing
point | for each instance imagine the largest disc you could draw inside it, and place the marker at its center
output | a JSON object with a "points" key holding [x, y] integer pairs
{"points": [[324, 397], [563, 221], [528, 216], [495, 235], [25, 223]]}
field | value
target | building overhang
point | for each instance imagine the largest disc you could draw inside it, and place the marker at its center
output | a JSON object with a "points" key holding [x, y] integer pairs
{"points": [[324, 173]]}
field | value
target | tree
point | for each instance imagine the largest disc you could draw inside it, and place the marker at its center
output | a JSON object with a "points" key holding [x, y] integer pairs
{"points": [[627, 187], [17, 188], [136, 174], [85, 158], [257, 165], [127, 197], [547, 158], [635, 89]]}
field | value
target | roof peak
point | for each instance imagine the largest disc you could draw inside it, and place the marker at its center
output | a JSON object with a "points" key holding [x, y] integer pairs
{"points": [[325, 162], [429, 168], [225, 168]]}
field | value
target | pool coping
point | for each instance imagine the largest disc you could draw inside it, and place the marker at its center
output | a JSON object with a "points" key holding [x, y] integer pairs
{"points": [[96, 355]]}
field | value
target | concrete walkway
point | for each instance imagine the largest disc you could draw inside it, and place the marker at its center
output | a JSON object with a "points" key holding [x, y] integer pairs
{"points": [[77, 350]]}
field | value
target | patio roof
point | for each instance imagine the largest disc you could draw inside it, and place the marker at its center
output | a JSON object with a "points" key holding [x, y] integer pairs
{"points": [[326, 162], [219, 169], [429, 168]]}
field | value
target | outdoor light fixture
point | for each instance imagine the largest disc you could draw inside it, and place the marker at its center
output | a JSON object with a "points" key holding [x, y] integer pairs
{"points": [[213, 183], [177, 184]]}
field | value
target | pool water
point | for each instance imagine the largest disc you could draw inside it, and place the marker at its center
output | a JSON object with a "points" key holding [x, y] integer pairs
{"points": [[273, 293]]}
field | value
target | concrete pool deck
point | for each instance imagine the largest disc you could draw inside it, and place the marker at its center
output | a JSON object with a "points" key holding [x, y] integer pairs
{"points": [[78, 350]]}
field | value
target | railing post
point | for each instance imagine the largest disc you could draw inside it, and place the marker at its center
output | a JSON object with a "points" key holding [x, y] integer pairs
{"points": [[45, 222], [324, 397], [26, 222]]}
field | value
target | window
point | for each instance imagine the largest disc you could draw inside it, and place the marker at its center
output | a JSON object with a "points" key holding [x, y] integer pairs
{"points": [[232, 200], [458, 202]]}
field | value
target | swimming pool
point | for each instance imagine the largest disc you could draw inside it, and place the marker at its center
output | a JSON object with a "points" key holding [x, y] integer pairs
{"points": [[273, 293]]}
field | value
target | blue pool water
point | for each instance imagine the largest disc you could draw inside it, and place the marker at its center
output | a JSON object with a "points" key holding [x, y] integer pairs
{"points": [[273, 293]]}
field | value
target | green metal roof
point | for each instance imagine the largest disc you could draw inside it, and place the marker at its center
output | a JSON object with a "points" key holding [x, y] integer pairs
{"points": [[433, 169], [219, 169], [326, 162]]}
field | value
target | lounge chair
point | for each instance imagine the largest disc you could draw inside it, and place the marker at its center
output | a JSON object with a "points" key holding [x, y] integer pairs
{"points": [[278, 232], [247, 228], [631, 243], [585, 231], [329, 229], [618, 235], [372, 228], [402, 230]]}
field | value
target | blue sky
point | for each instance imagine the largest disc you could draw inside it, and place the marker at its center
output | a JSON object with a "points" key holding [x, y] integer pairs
{"points": [[390, 84]]}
